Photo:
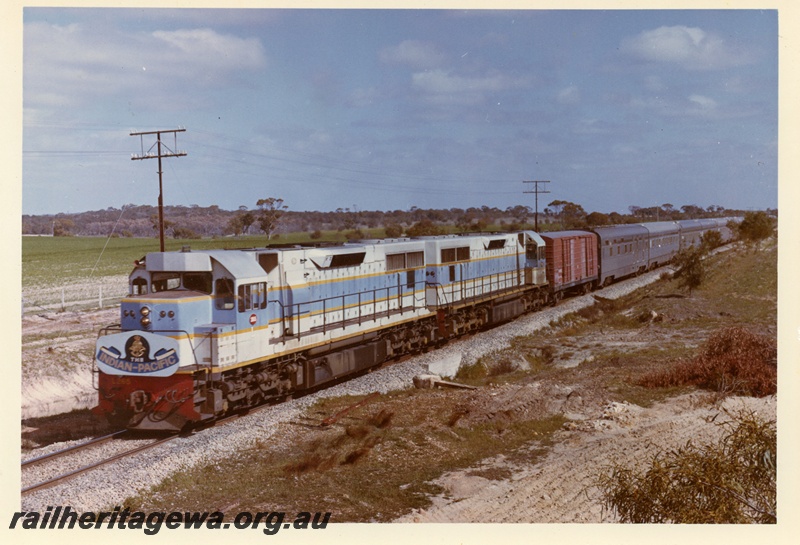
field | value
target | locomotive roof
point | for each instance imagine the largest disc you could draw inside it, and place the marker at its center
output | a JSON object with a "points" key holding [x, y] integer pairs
{"points": [[242, 265]]}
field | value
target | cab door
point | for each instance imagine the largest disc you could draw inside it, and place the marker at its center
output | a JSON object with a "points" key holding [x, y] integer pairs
{"points": [[252, 320]]}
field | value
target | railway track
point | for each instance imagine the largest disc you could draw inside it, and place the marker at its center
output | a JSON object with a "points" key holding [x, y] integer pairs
{"points": [[54, 468], [57, 475]]}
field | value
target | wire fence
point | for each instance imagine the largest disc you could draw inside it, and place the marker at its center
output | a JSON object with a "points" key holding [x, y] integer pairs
{"points": [[102, 293]]}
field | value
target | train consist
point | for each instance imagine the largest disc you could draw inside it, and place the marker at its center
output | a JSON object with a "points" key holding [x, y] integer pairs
{"points": [[202, 333]]}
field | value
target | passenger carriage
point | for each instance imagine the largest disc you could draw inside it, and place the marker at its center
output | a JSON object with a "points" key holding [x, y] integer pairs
{"points": [[623, 251], [664, 242]]}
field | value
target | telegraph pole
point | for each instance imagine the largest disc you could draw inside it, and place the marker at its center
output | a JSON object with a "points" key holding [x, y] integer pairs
{"points": [[536, 191], [158, 155]]}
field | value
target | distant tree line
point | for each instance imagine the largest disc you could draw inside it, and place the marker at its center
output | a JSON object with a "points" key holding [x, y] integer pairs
{"points": [[271, 216]]}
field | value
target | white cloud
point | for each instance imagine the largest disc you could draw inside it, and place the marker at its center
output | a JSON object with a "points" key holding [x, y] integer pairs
{"points": [[704, 102], [569, 95], [418, 55], [688, 47], [75, 64], [212, 50], [443, 86]]}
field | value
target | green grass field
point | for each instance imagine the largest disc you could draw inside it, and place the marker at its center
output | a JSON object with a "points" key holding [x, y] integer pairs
{"points": [[57, 261]]}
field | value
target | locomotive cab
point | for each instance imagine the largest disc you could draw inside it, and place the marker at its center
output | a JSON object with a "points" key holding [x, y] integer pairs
{"points": [[188, 316], [534, 260]]}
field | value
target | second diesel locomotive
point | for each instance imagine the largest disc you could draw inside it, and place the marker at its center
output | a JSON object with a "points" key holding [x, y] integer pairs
{"points": [[202, 333]]}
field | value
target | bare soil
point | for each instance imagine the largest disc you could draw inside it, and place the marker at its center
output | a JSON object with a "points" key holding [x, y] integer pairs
{"points": [[562, 487], [57, 354]]}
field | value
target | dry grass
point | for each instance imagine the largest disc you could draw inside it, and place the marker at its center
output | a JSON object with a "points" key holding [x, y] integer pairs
{"points": [[735, 361]]}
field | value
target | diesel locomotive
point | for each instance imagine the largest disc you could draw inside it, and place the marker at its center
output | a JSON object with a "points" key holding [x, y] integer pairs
{"points": [[204, 333]]}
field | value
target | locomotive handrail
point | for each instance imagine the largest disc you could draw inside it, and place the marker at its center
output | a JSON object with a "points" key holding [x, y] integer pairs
{"points": [[378, 295], [493, 280], [292, 315]]}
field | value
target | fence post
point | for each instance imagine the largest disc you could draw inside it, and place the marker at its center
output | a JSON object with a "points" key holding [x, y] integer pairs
{"points": [[101, 296], [63, 306]]}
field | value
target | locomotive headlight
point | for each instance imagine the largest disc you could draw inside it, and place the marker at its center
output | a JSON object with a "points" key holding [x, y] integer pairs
{"points": [[145, 311], [171, 314], [162, 314], [145, 321]]}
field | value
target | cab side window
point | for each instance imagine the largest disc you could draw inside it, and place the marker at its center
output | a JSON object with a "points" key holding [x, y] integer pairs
{"points": [[252, 296], [223, 294], [139, 286]]}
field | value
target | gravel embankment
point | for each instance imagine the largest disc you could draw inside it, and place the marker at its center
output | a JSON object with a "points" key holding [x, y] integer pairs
{"points": [[109, 486]]}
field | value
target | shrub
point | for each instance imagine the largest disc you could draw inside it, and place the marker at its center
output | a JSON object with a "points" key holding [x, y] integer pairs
{"points": [[184, 233], [734, 362], [502, 366], [710, 240], [691, 272], [393, 230], [755, 227], [355, 234], [473, 371], [732, 481], [425, 228]]}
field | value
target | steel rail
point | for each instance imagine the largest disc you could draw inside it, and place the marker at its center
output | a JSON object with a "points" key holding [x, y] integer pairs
{"points": [[76, 472], [73, 448]]}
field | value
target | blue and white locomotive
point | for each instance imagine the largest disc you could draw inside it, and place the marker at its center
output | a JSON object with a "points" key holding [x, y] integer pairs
{"points": [[205, 332], [202, 333]]}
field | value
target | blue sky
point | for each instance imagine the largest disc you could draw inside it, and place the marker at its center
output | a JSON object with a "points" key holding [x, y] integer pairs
{"points": [[389, 109]]}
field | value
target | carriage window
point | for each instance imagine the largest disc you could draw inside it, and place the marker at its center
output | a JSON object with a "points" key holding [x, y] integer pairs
{"points": [[194, 281], [139, 286], [197, 281], [165, 281], [252, 296], [245, 300], [224, 293]]}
